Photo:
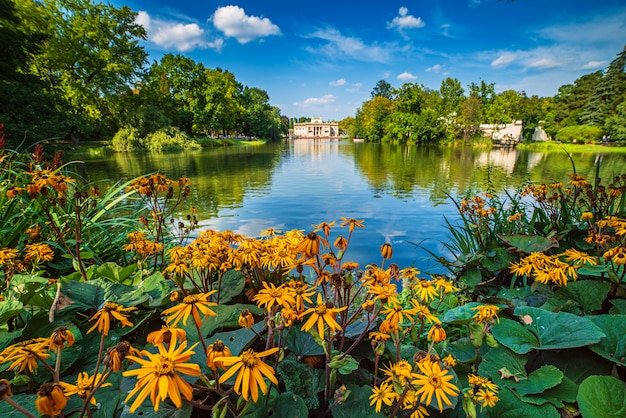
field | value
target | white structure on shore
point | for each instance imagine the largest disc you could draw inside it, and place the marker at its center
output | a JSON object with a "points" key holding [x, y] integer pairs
{"points": [[316, 128]]}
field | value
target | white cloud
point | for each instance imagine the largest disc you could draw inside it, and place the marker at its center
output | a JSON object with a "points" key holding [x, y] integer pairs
{"points": [[592, 65], [435, 68], [405, 21], [405, 76], [315, 101], [503, 60], [340, 82], [338, 46], [233, 22], [357, 84], [180, 36]]}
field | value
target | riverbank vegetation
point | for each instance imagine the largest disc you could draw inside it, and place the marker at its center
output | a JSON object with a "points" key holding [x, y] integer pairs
{"points": [[112, 305], [591, 108]]}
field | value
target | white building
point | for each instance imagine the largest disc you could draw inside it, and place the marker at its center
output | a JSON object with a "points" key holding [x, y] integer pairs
{"points": [[316, 128]]}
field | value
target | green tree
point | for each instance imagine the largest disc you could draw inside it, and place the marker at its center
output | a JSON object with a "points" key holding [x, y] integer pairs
{"points": [[615, 125], [471, 116], [382, 89], [91, 55], [373, 118], [485, 92], [222, 109], [451, 99]]}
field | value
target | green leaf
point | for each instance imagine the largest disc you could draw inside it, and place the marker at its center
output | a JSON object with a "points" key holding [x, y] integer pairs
{"points": [[613, 345], [8, 309], [515, 336], [27, 401], [510, 406], [529, 243], [302, 380], [357, 404], [302, 344], [588, 294], [462, 350], [619, 306], [577, 363], [499, 358], [498, 260], [543, 378], [114, 272], [552, 330], [471, 278], [286, 405], [602, 397], [231, 286], [461, 314], [565, 391], [226, 316]]}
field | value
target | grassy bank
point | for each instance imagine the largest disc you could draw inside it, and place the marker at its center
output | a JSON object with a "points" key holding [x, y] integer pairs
{"points": [[551, 146]]}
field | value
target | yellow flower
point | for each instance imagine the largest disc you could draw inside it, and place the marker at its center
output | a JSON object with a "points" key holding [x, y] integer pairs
{"points": [[302, 292], [434, 381], [310, 245], [411, 402], [165, 335], [425, 290], [401, 371], [7, 255], [116, 355], [579, 257], [437, 333], [251, 371], [246, 320], [159, 375], [487, 398], [386, 251], [38, 252], [322, 314], [396, 314], [108, 311], [449, 360], [481, 382], [586, 216], [272, 295], [50, 399], [61, 338], [25, 354], [217, 349], [352, 223], [423, 313], [193, 305], [382, 394], [486, 313], [83, 385]]}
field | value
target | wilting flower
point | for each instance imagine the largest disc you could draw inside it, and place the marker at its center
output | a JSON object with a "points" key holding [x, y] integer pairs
{"points": [[108, 311], [352, 223], [217, 349], [61, 338], [166, 334], [50, 399], [159, 375], [383, 393], [192, 305], [115, 356], [386, 251], [449, 360], [83, 386], [437, 333], [246, 319], [310, 245], [322, 315], [251, 371], [434, 381]]}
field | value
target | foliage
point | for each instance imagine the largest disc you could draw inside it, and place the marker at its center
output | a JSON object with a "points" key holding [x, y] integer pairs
{"points": [[579, 133]]}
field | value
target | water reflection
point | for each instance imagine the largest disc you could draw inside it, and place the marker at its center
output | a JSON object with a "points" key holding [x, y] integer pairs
{"points": [[401, 191]]}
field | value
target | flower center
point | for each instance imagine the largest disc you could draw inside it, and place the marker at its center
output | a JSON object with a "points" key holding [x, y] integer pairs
{"points": [[191, 299], [321, 309], [435, 381], [249, 359], [164, 366]]}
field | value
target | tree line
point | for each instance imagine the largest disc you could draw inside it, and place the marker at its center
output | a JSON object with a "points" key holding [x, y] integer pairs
{"points": [[594, 106], [76, 69]]}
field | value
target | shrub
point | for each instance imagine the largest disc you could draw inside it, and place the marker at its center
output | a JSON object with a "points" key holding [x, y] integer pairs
{"points": [[126, 139], [169, 139], [579, 133]]}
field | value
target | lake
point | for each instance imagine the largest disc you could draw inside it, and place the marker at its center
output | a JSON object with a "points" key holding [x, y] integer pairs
{"points": [[400, 191]]}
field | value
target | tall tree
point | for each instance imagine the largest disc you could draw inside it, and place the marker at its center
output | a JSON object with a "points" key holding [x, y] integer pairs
{"points": [[382, 89], [608, 93], [91, 53]]}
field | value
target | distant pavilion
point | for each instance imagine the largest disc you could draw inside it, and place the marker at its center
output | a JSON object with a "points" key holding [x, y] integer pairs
{"points": [[316, 128]]}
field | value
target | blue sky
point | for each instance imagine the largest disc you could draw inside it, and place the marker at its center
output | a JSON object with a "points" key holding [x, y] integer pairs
{"points": [[323, 58]]}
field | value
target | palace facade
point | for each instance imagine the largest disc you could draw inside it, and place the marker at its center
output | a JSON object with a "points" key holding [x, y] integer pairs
{"points": [[316, 128]]}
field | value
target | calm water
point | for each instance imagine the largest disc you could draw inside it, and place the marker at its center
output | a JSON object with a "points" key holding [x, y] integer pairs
{"points": [[400, 191]]}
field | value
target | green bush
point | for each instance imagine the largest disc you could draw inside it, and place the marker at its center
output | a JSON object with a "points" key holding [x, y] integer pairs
{"points": [[579, 133], [126, 139], [169, 139]]}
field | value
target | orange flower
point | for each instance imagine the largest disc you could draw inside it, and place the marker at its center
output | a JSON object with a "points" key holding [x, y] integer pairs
{"points": [[108, 311]]}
